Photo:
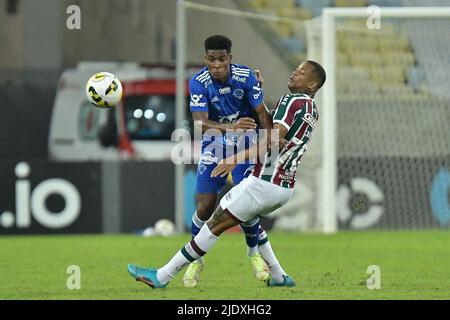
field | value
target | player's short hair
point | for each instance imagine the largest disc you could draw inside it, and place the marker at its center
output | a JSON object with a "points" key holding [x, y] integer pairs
{"points": [[319, 71], [218, 42]]}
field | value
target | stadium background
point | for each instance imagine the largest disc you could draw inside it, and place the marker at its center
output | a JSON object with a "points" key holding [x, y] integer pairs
{"points": [[37, 47]]}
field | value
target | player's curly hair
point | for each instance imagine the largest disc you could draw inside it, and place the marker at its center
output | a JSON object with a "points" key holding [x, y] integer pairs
{"points": [[319, 71], [218, 42]]}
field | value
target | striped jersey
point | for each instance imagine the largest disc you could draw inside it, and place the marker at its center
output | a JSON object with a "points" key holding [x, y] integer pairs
{"points": [[298, 113]]}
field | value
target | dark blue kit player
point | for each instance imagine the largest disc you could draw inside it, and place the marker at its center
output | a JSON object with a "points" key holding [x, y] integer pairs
{"points": [[224, 97]]}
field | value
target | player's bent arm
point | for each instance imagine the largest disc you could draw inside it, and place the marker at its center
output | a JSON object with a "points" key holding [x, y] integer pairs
{"points": [[264, 117], [225, 166], [278, 135], [201, 122], [274, 139]]}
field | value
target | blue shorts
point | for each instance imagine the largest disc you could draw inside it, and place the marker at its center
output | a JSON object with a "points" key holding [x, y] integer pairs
{"points": [[207, 184], [212, 153]]}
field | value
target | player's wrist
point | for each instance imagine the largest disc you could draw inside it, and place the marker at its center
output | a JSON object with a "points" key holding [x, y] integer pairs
{"points": [[229, 126]]}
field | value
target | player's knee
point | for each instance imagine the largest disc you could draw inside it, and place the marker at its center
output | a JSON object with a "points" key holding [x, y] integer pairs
{"points": [[250, 223], [218, 226], [205, 208]]}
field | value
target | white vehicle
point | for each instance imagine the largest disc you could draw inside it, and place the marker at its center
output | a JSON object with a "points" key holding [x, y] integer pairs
{"points": [[141, 124]]}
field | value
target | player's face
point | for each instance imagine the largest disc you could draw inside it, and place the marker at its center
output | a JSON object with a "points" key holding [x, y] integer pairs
{"points": [[302, 78], [218, 62]]}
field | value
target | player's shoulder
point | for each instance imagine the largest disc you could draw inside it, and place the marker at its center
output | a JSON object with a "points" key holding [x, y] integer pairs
{"points": [[201, 77], [299, 98], [240, 73]]}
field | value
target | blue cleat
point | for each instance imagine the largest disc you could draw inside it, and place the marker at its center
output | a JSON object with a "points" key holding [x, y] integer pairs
{"points": [[287, 282], [146, 275]]}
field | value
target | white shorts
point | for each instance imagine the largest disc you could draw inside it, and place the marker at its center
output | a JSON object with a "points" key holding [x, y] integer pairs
{"points": [[254, 197]]}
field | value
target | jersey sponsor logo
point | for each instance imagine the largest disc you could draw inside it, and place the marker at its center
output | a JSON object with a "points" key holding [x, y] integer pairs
{"points": [[239, 79], [208, 158], [286, 175], [195, 101], [310, 119], [196, 97], [230, 118], [215, 99], [256, 95], [238, 93], [257, 88], [225, 90], [198, 104]]}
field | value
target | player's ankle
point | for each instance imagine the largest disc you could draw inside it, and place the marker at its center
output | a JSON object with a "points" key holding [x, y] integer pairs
{"points": [[251, 251]]}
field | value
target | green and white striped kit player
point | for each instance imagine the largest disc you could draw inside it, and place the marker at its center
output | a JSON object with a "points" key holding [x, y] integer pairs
{"points": [[298, 113]]}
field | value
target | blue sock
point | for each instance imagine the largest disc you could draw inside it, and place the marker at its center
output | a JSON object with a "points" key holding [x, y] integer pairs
{"points": [[196, 225], [251, 229], [262, 237]]}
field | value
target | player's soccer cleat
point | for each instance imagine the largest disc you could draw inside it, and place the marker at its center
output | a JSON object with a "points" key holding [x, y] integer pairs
{"points": [[146, 275], [260, 268], [287, 282], [192, 275]]}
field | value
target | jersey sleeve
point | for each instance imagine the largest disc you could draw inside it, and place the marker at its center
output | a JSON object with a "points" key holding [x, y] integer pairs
{"points": [[198, 101], [287, 109], [255, 94]]}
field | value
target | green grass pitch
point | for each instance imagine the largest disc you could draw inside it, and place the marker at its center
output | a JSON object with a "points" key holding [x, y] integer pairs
{"points": [[413, 264]]}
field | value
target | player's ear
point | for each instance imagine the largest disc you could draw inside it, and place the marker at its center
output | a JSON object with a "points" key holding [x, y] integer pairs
{"points": [[313, 85], [231, 56]]}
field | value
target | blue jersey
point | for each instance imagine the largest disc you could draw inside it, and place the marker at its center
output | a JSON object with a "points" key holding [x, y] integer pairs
{"points": [[225, 102]]}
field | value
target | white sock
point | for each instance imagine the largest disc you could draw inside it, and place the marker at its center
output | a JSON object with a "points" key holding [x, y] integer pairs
{"points": [[193, 250], [251, 251], [268, 255], [170, 270]]}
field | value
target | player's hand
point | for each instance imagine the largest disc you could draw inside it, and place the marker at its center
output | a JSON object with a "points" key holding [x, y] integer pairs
{"points": [[244, 123], [224, 167], [282, 143], [259, 77]]}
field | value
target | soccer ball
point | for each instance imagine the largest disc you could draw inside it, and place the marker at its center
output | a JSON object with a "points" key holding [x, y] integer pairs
{"points": [[164, 227], [104, 90]]}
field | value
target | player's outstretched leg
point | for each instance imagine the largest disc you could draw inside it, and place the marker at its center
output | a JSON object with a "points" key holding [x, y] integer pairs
{"points": [[278, 277], [193, 250], [259, 266]]}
